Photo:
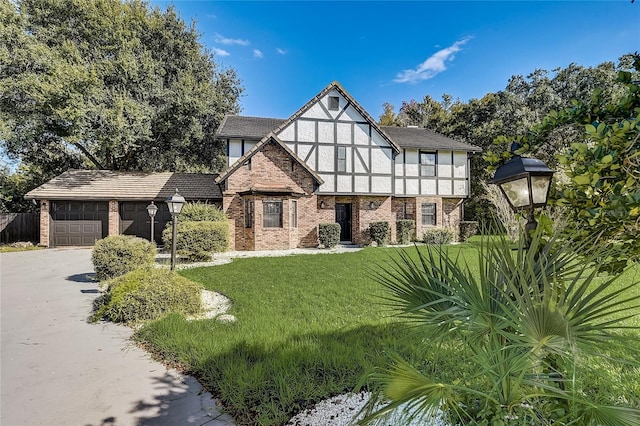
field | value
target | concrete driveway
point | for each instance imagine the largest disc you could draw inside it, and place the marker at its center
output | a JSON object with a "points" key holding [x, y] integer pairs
{"points": [[57, 369]]}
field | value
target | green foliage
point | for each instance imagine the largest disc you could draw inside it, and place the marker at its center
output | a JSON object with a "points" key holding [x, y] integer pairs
{"points": [[602, 164], [438, 236], [201, 212], [196, 240], [405, 231], [379, 232], [109, 84], [118, 254], [468, 229], [527, 322], [147, 294], [329, 234]]}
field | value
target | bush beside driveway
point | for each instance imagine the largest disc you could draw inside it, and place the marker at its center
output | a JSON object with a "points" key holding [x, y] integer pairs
{"points": [[57, 369]]}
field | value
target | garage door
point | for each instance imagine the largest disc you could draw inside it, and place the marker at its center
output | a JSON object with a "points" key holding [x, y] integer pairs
{"points": [[135, 220], [76, 223]]}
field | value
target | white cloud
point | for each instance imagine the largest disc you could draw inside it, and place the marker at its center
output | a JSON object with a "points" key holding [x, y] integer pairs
{"points": [[281, 51], [218, 38], [433, 66], [220, 52], [257, 54]]}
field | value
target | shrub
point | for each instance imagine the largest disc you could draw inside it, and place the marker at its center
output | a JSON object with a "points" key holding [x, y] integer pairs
{"points": [[202, 212], [526, 320], [379, 232], [405, 230], [329, 234], [118, 254], [197, 239], [438, 236], [147, 294], [467, 230]]}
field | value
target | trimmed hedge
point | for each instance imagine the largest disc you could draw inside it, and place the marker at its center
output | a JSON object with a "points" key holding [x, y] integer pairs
{"points": [[196, 240], [202, 212], [329, 234], [405, 231], [147, 294], [118, 254], [467, 230], [438, 236], [379, 232]]}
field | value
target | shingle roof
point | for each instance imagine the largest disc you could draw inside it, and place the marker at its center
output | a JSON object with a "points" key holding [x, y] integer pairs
{"points": [[415, 137], [404, 137], [235, 126], [113, 185], [270, 137]]}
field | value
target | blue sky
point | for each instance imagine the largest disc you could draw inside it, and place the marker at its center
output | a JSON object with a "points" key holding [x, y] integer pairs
{"points": [[286, 52]]}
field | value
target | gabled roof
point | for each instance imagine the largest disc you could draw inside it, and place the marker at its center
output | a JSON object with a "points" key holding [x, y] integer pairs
{"points": [[271, 137], [235, 126], [404, 137], [114, 185], [414, 137], [337, 86]]}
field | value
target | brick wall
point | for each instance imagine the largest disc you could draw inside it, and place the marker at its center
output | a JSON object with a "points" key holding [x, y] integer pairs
{"points": [[271, 167], [114, 218], [45, 223]]}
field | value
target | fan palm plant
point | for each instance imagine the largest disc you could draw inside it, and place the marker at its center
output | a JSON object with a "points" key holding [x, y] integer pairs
{"points": [[526, 318]]}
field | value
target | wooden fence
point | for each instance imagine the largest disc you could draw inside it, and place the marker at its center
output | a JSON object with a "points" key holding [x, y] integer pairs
{"points": [[19, 227]]}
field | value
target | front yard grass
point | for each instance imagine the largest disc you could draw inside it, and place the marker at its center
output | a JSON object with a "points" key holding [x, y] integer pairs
{"points": [[308, 327]]}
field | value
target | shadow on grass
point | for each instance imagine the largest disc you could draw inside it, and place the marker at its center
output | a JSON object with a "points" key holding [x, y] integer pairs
{"points": [[269, 383]]}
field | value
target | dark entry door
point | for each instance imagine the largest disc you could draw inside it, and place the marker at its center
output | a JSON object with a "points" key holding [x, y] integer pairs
{"points": [[343, 217]]}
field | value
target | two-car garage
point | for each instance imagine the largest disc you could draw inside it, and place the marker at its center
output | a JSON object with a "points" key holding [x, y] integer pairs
{"points": [[80, 207]]}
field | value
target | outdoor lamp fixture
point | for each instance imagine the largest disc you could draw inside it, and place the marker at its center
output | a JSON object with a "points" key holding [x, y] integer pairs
{"points": [[152, 209], [372, 205], [322, 204], [525, 183], [175, 203]]}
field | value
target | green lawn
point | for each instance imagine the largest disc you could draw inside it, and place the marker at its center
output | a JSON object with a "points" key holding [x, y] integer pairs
{"points": [[308, 327]]}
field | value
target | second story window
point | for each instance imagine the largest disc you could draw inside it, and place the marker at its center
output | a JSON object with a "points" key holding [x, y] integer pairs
{"points": [[427, 163], [342, 158], [334, 103]]}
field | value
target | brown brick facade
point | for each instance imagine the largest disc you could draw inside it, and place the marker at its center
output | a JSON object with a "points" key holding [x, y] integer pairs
{"points": [[45, 223]]}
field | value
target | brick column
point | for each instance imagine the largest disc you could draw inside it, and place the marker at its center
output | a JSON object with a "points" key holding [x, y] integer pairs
{"points": [[44, 223], [114, 218]]}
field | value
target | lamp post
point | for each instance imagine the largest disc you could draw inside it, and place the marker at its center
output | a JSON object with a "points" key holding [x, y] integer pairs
{"points": [[152, 209], [525, 183], [175, 203]]}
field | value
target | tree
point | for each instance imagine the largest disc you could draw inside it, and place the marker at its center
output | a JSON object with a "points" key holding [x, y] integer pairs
{"points": [[601, 162], [109, 85], [524, 320]]}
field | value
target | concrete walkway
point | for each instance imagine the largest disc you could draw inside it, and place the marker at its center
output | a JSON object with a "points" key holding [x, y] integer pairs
{"points": [[57, 369]]}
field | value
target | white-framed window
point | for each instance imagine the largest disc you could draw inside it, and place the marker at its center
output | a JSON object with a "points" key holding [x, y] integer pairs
{"points": [[427, 163], [294, 213], [342, 158], [272, 214], [429, 213]]}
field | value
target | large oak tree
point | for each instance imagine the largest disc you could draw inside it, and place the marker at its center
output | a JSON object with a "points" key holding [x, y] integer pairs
{"points": [[109, 85]]}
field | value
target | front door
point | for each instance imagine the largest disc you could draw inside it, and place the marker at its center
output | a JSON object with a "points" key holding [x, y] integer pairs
{"points": [[343, 217]]}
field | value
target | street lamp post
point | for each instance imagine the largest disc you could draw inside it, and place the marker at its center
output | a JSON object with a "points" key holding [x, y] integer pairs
{"points": [[175, 203], [152, 209], [525, 183]]}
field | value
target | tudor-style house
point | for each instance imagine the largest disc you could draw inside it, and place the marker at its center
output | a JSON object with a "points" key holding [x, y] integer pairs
{"points": [[331, 162]]}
